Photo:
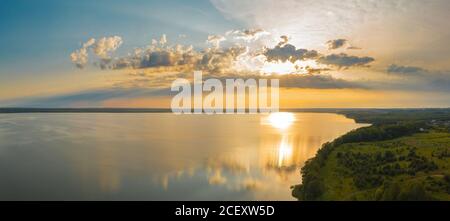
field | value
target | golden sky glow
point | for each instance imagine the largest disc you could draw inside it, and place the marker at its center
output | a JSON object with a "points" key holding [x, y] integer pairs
{"points": [[326, 54]]}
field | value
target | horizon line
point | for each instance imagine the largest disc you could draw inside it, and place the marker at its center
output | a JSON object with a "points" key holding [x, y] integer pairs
{"points": [[167, 110]]}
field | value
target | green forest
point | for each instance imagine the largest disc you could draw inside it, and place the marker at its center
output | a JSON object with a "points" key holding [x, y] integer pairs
{"points": [[403, 155]]}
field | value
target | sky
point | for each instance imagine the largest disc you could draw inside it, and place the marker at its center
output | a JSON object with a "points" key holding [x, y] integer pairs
{"points": [[346, 53]]}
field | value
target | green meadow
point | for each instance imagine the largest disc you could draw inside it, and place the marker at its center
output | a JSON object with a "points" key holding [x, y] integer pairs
{"points": [[405, 159]]}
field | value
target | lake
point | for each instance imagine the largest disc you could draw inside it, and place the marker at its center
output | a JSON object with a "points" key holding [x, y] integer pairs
{"points": [[159, 156]]}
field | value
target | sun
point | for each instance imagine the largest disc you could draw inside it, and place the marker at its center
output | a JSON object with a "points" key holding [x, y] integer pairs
{"points": [[278, 68], [287, 67], [281, 120]]}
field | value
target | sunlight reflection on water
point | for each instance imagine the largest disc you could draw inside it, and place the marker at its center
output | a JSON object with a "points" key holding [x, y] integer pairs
{"points": [[159, 156]]}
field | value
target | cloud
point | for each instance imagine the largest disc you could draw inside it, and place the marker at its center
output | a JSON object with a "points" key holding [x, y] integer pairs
{"points": [[90, 98], [105, 45], [418, 78], [248, 35], [163, 39], [215, 40], [353, 48], [217, 178], [440, 82], [335, 44], [178, 57], [287, 52], [311, 70], [155, 65], [284, 40], [151, 79], [244, 56], [312, 23], [158, 54], [317, 81], [139, 88], [343, 60], [101, 48], [397, 69], [80, 56]]}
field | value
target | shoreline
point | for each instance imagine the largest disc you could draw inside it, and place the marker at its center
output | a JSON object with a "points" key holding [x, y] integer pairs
{"points": [[354, 159]]}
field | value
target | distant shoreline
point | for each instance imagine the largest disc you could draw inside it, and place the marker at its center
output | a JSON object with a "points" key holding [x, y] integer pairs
{"points": [[167, 110]]}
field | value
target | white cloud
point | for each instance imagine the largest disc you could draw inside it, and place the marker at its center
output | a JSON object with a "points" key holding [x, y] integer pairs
{"points": [[106, 45], [247, 35], [80, 56], [215, 40], [410, 30], [101, 48]]}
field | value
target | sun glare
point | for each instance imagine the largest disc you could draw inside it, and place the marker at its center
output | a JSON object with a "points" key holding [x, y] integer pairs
{"points": [[287, 67], [278, 68], [284, 152], [281, 120]]}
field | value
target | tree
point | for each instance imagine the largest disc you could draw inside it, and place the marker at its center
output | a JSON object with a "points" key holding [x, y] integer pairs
{"points": [[413, 192]]}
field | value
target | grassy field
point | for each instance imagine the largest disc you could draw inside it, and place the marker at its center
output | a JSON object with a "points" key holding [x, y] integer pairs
{"points": [[352, 171], [401, 160]]}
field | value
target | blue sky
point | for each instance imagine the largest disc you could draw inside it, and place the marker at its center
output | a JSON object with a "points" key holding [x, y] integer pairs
{"points": [[38, 36]]}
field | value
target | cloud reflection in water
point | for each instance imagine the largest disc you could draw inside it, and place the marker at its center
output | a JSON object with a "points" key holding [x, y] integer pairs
{"points": [[160, 156]]}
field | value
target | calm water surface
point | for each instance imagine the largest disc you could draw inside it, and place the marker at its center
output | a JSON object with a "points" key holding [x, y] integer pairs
{"points": [[121, 156]]}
